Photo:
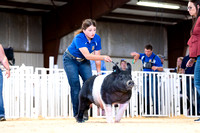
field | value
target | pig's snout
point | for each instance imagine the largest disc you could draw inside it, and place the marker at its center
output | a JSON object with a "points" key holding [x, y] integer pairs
{"points": [[130, 83]]}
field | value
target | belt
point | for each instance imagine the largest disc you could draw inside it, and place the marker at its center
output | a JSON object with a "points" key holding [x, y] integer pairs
{"points": [[77, 58]]}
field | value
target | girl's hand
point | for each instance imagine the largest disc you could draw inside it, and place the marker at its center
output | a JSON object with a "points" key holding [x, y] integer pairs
{"points": [[107, 58]]}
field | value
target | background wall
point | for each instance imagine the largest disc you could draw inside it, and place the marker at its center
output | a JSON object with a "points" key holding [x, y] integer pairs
{"points": [[24, 34]]}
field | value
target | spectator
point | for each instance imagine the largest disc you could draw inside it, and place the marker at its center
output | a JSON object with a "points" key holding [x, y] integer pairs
{"points": [[178, 65], [76, 59], [151, 63], [162, 58], [194, 45], [123, 64], [178, 70], [4, 61], [188, 70]]}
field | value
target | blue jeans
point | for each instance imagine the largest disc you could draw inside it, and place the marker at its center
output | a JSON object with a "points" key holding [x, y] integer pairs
{"points": [[152, 90], [197, 81], [2, 111], [73, 69]]}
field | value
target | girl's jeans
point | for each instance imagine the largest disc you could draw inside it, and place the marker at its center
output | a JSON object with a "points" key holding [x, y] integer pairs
{"points": [[73, 69]]}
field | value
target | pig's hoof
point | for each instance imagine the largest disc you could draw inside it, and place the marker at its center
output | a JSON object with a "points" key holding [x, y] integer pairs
{"points": [[110, 121], [79, 120], [85, 118], [116, 121]]}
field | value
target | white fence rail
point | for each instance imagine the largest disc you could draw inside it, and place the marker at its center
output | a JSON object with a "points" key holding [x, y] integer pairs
{"points": [[45, 92]]}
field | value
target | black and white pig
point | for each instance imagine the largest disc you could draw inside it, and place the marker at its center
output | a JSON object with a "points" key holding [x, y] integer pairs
{"points": [[105, 90]]}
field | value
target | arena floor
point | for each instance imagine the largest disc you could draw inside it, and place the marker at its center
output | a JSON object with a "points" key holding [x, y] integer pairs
{"points": [[99, 125]]}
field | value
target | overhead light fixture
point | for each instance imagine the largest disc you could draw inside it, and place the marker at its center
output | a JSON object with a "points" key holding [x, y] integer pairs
{"points": [[158, 4]]}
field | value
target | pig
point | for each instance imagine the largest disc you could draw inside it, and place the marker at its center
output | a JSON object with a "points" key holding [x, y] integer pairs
{"points": [[106, 90]]}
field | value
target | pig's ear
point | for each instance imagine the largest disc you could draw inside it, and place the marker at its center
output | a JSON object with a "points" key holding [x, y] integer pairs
{"points": [[129, 67], [116, 69]]}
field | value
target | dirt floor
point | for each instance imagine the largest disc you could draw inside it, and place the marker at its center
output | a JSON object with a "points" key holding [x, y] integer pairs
{"points": [[99, 125]]}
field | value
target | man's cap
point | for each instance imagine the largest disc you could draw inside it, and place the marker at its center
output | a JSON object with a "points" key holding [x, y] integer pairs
{"points": [[122, 60]]}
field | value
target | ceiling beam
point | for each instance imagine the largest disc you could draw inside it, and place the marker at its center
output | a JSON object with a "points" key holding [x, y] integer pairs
{"points": [[150, 23], [21, 11], [64, 0], [26, 5], [149, 18], [180, 2], [152, 9]]}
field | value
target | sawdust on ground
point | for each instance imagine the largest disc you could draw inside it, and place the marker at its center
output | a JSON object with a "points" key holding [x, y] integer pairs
{"points": [[98, 125]]}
